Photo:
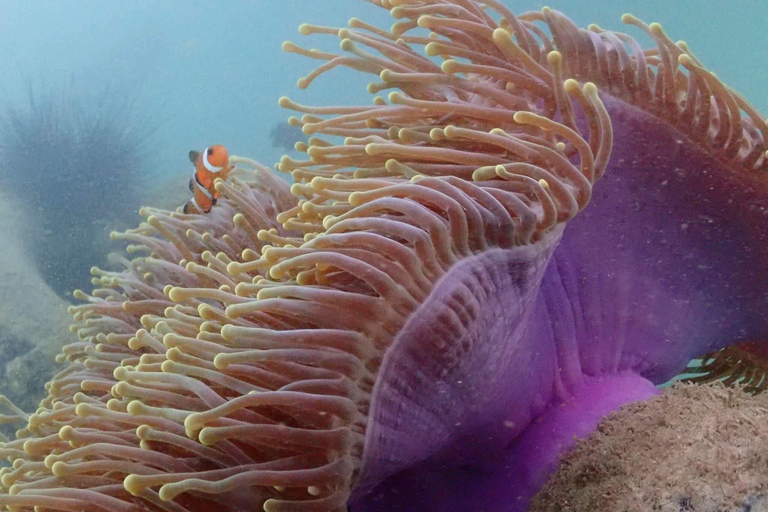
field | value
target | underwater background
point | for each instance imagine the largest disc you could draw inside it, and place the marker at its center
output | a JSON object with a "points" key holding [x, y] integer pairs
{"points": [[213, 71], [102, 101]]}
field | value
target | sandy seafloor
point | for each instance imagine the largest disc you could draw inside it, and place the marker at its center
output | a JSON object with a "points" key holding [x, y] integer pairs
{"points": [[211, 72]]}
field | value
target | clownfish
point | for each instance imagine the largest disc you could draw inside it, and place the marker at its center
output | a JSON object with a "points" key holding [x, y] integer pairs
{"points": [[211, 163]]}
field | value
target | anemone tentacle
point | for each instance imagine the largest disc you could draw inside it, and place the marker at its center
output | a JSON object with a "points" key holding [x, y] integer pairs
{"points": [[86, 437], [745, 363]]}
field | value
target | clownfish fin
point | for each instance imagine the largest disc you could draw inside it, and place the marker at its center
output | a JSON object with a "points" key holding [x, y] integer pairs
{"points": [[192, 207], [193, 156]]}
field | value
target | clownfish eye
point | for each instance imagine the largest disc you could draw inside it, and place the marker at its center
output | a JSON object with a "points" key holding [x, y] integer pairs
{"points": [[210, 151]]}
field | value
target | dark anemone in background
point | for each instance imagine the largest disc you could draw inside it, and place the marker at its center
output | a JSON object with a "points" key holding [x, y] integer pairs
{"points": [[77, 163]]}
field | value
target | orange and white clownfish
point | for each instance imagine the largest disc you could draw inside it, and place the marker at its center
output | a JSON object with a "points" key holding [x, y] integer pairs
{"points": [[211, 163]]}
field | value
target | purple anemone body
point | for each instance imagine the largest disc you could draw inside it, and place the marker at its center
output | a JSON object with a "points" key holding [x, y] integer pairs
{"points": [[662, 266]]}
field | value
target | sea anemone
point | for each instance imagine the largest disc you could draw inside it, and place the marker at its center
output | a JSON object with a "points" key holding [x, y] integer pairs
{"points": [[413, 326], [66, 154]]}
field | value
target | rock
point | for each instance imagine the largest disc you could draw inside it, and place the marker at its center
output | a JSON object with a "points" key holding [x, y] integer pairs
{"points": [[33, 319], [694, 448]]}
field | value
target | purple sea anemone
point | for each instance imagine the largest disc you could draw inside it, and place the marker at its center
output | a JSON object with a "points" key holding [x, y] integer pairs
{"points": [[425, 322]]}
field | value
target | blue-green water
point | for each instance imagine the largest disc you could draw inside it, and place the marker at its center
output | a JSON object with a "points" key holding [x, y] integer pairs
{"points": [[212, 71]]}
